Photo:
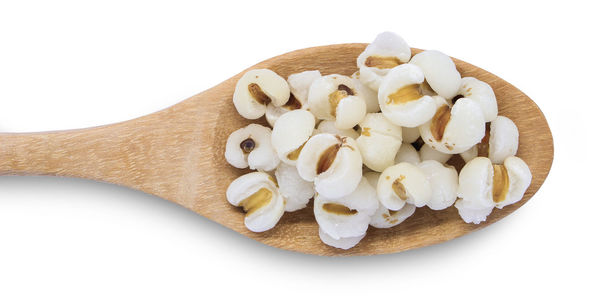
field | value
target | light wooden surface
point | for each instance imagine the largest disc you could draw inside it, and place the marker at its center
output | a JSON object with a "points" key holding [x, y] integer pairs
{"points": [[177, 154]]}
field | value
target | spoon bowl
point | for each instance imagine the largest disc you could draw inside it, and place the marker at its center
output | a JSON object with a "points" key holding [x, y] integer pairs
{"points": [[178, 154]]}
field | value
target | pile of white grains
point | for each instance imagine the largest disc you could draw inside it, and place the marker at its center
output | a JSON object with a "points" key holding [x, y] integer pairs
{"points": [[346, 142]]}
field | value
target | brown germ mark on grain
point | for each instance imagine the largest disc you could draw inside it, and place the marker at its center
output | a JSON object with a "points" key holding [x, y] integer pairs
{"points": [[399, 189], [439, 122], [335, 97], [247, 145], [257, 93], [294, 154], [381, 62], [292, 103], [501, 182], [327, 158], [347, 89], [483, 148], [405, 94], [338, 209], [256, 201]]}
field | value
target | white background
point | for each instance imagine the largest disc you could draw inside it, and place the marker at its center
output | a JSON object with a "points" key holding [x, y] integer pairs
{"points": [[72, 64]]}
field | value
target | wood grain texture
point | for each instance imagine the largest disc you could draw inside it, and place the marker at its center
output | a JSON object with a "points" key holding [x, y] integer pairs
{"points": [[178, 154]]}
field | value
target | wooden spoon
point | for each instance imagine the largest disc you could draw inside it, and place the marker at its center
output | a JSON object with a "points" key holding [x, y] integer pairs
{"points": [[177, 154]]}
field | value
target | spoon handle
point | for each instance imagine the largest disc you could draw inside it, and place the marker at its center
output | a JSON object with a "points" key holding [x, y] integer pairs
{"points": [[100, 153], [150, 153], [170, 153]]}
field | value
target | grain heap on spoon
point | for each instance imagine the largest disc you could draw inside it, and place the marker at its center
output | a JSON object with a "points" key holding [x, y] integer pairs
{"points": [[345, 141]]}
